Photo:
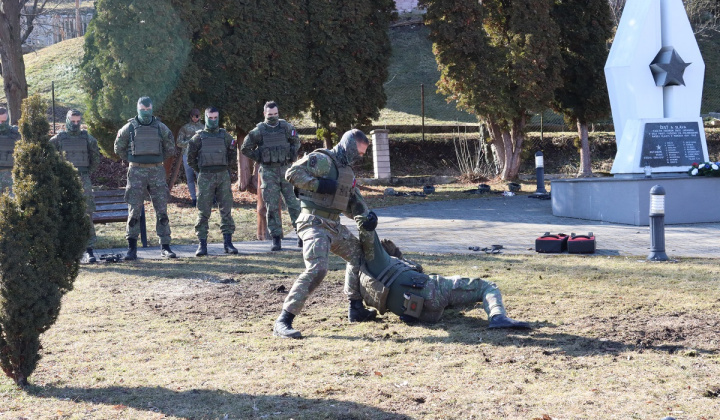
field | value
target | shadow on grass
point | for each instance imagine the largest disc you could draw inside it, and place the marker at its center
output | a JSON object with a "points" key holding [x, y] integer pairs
{"points": [[206, 403]]}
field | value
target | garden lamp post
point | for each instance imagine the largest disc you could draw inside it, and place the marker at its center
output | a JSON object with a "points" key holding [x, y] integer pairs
{"points": [[657, 224], [540, 173]]}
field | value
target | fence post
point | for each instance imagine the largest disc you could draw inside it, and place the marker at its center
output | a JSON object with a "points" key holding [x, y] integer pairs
{"points": [[422, 108], [53, 104]]}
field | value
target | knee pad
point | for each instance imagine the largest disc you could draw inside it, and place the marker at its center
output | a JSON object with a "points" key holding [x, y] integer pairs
{"points": [[132, 222], [164, 219]]}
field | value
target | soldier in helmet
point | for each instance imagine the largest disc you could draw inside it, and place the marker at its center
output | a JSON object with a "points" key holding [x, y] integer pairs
{"points": [[80, 149], [183, 138], [145, 142], [326, 187], [391, 283], [274, 145], [211, 153], [8, 136]]}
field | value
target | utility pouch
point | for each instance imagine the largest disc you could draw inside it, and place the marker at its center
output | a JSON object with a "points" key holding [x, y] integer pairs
{"points": [[413, 305], [266, 155], [417, 283]]}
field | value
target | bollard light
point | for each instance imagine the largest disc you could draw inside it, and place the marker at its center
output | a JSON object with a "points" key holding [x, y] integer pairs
{"points": [[540, 174], [657, 224]]}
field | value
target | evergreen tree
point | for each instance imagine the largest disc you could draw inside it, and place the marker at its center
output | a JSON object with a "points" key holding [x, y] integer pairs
{"points": [[43, 231], [498, 59], [585, 30], [349, 52]]}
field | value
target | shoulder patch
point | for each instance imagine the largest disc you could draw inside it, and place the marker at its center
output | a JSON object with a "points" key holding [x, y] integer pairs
{"points": [[312, 161]]}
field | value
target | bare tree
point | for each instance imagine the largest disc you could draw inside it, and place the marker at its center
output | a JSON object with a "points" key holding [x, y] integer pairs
{"points": [[16, 24], [704, 15]]}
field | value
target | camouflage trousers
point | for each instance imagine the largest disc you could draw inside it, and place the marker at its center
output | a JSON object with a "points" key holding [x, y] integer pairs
{"points": [[214, 185], [140, 181], [6, 181], [320, 236], [274, 186], [440, 292], [90, 205]]}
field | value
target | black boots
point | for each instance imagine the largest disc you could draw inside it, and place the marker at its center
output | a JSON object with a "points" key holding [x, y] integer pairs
{"points": [[502, 321], [202, 248], [166, 252], [132, 250], [276, 244], [90, 256], [283, 326], [227, 244], [358, 312]]}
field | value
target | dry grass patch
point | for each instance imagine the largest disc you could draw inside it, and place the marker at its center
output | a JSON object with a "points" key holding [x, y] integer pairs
{"points": [[612, 338]]}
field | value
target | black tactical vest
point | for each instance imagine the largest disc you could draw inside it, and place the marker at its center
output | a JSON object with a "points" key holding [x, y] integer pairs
{"points": [[213, 151], [7, 147], [275, 147], [145, 143], [339, 200], [75, 148]]}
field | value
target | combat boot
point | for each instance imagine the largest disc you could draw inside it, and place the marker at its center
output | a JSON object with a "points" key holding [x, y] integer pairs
{"points": [[358, 312], [502, 321], [227, 244], [166, 252], [90, 256], [276, 244], [202, 248], [132, 250], [283, 326]]}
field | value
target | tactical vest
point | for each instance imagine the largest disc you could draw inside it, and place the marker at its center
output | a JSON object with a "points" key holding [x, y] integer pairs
{"points": [[7, 147], [275, 147], [339, 200], [75, 148], [145, 143], [375, 290], [213, 151]]}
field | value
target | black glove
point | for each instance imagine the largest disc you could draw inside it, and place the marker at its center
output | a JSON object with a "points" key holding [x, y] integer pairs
{"points": [[326, 186], [371, 222]]}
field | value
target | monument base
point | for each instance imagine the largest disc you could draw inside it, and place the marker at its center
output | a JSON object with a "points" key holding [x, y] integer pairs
{"points": [[617, 200]]}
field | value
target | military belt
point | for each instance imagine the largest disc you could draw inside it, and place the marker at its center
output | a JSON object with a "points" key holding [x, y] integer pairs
{"points": [[144, 165], [322, 213], [274, 165]]}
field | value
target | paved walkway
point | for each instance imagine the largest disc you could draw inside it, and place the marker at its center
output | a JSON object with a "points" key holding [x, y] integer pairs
{"points": [[514, 222]]}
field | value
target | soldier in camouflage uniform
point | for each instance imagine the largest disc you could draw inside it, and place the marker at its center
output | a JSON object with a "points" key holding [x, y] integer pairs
{"points": [[183, 138], [8, 136], [326, 187], [80, 149], [391, 283], [145, 142], [211, 153], [274, 145]]}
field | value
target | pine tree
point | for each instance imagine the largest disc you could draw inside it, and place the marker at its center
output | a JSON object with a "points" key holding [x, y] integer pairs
{"points": [[499, 60], [586, 28], [43, 231]]}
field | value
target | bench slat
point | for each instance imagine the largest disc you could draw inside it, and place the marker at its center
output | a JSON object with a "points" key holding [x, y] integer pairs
{"points": [[110, 207]]}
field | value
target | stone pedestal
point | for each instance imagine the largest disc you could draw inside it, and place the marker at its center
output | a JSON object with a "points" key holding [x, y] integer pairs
{"points": [[381, 153]]}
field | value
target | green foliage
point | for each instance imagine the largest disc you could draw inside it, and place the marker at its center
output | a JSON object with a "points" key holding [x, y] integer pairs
{"points": [[43, 232], [326, 135], [347, 72], [132, 49], [585, 29]]}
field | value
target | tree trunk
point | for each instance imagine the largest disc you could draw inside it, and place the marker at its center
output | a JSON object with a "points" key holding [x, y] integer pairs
{"points": [[11, 56], [497, 141], [327, 138], [245, 165], [508, 143], [585, 163], [262, 229]]}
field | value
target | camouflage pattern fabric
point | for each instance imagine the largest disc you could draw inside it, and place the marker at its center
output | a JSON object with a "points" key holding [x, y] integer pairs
{"points": [[186, 133], [139, 181], [321, 236], [122, 141], [6, 181], [90, 206], [214, 185], [274, 186]]}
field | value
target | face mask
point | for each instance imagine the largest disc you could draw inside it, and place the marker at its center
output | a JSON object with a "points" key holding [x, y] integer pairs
{"points": [[211, 124], [73, 128], [145, 115], [272, 120], [4, 126]]}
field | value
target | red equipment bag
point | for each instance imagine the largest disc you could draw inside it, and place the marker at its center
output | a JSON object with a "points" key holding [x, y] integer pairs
{"points": [[551, 243], [581, 244]]}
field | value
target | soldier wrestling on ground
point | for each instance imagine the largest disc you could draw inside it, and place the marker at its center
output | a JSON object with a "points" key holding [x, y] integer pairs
{"points": [[211, 153], [8, 136], [186, 133], [326, 186], [145, 143], [274, 145], [390, 283], [80, 149]]}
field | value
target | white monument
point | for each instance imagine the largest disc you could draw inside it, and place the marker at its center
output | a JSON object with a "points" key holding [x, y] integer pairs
{"points": [[655, 80]]}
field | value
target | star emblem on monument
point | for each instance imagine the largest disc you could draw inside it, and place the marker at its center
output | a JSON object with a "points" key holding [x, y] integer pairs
{"points": [[668, 68]]}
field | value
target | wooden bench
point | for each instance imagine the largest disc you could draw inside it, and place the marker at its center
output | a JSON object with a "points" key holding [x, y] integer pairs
{"points": [[110, 207]]}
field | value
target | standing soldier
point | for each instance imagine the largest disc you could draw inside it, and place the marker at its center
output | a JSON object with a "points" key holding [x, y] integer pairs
{"points": [[145, 142], [183, 138], [326, 185], [211, 153], [8, 136], [80, 149], [274, 145]]}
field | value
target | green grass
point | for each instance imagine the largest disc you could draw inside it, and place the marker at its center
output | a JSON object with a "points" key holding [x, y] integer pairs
{"points": [[613, 338]]}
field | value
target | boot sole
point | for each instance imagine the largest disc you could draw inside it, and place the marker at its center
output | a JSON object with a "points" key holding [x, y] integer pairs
{"points": [[277, 334]]}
